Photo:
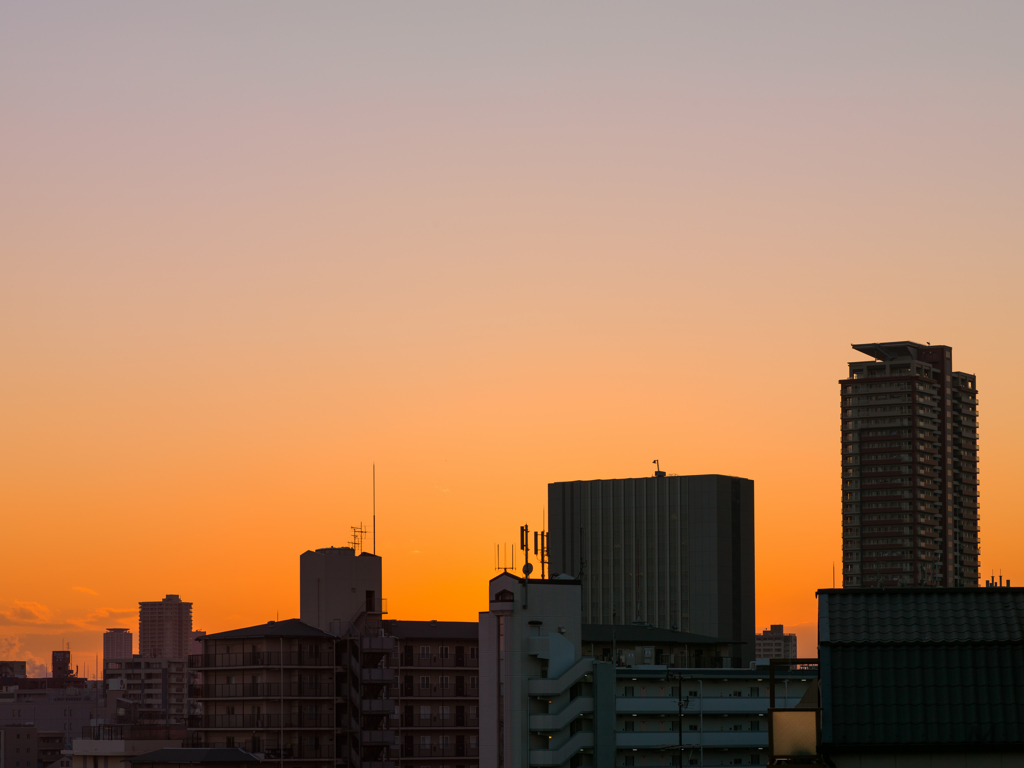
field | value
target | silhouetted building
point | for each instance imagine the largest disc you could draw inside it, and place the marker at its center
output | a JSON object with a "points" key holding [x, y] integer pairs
{"points": [[922, 676], [165, 628], [437, 692], [910, 469], [117, 644], [61, 665], [294, 692], [674, 552], [775, 643], [13, 669]]}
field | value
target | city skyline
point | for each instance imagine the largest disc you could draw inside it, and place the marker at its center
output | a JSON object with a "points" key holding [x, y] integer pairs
{"points": [[486, 255]]}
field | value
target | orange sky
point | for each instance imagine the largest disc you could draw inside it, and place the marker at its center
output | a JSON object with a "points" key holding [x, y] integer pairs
{"points": [[241, 258]]}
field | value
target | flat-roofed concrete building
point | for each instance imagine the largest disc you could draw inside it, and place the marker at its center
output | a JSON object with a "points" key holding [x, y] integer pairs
{"points": [[775, 643], [675, 552]]}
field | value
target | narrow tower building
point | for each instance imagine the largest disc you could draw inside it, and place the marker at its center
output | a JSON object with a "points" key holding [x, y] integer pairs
{"points": [[909, 469]]}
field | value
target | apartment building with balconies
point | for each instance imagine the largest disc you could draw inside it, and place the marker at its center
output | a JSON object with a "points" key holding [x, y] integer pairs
{"points": [[159, 687], [909, 469], [297, 695], [556, 692], [271, 689], [437, 669]]}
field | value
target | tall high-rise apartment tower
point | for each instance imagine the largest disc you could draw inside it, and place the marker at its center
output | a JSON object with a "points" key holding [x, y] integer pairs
{"points": [[165, 628], [910, 469], [675, 552], [117, 644]]}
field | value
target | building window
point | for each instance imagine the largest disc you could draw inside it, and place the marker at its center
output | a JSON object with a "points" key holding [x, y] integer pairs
{"points": [[444, 651], [444, 681], [472, 682], [424, 651], [472, 652], [424, 682]]}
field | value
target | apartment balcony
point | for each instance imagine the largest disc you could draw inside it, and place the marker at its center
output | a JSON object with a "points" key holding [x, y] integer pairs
{"points": [[378, 675], [437, 692], [269, 659], [438, 750], [260, 722], [261, 690], [300, 752], [434, 662], [437, 721], [386, 643], [378, 706], [377, 738]]}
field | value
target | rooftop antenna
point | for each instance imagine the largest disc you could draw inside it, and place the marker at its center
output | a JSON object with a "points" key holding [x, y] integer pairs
{"points": [[501, 561], [524, 544], [358, 535]]}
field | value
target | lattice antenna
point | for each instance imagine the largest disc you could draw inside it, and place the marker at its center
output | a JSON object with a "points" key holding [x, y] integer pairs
{"points": [[358, 536]]}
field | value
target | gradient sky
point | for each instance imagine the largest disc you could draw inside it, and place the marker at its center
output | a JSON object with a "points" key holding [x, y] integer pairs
{"points": [[247, 249]]}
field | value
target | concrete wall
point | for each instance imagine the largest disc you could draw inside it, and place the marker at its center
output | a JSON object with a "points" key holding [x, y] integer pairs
{"points": [[542, 640], [333, 586]]}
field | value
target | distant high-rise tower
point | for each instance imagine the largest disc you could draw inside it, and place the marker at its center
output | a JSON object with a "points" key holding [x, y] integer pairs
{"points": [[165, 628], [117, 644], [910, 469]]}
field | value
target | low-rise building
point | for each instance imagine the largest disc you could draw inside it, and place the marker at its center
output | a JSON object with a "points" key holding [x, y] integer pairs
{"points": [[158, 686], [55, 706], [556, 692], [296, 694], [13, 669], [19, 746], [922, 676], [775, 643], [189, 756], [110, 746]]}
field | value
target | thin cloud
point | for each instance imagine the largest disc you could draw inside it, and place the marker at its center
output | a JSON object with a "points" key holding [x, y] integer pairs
{"points": [[104, 617], [40, 618], [26, 613]]}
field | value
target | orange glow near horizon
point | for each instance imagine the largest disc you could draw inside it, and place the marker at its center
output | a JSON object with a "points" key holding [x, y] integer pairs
{"points": [[272, 251]]}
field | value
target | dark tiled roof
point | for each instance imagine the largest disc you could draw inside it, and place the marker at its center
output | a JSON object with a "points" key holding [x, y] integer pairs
{"points": [[630, 633], [922, 667], [463, 630], [196, 755], [286, 628], [922, 615]]}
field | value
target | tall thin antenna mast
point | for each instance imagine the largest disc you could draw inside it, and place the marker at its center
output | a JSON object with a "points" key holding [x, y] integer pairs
{"points": [[375, 509]]}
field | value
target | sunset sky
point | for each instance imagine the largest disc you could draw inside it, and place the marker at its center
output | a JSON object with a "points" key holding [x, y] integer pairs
{"points": [[247, 250]]}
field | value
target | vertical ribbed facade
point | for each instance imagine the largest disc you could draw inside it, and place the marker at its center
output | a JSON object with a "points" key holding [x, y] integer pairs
{"points": [[909, 469], [675, 552]]}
